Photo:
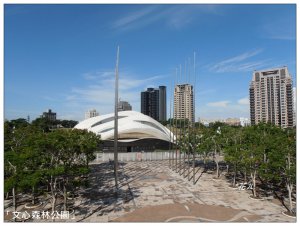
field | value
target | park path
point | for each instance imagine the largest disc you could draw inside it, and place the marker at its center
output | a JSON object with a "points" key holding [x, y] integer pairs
{"points": [[152, 192]]}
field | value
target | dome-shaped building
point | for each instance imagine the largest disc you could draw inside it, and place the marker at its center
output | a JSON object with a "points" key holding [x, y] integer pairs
{"points": [[136, 131]]}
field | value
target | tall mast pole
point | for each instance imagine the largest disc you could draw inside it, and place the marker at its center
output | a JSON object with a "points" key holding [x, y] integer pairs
{"points": [[170, 142], [195, 80], [195, 133], [177, 106], [116, 121], [178, 113], [184, 117], [190, 114]]}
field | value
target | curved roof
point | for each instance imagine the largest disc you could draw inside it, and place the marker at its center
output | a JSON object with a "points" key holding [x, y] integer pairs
{"points": [[132, 125]]}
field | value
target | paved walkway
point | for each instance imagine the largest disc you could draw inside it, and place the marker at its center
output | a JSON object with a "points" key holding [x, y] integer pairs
{"points": [[151, 192]]}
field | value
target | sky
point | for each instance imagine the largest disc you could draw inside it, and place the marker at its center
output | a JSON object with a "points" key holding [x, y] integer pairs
{"points": [[63, 57]]}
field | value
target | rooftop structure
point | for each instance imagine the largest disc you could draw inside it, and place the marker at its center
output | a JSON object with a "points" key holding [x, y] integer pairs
{"points": [[91, 113], [132, 126]]}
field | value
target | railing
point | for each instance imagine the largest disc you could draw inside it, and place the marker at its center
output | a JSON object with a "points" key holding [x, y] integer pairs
{"points": [[137, 156]]}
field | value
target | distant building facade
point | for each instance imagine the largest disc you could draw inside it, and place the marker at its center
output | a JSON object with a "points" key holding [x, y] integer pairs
{"points": [[229, 121], [184, 102], [245, 122], [232, 121], [153, 103], [124, 106], [295, 105], [271, 97], [49, 115], [91, 113]]}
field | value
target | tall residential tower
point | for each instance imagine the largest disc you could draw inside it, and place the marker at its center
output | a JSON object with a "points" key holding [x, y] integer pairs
{"points": [[271, 97], [184, 102], [153, 103]]}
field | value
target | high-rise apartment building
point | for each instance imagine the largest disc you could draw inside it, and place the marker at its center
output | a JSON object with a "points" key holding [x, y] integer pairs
{"points": [[184, 102], [49, 115], [153, 103], [91, 113], [162, 103], [124, 106], [271, 97], [295, 105]]}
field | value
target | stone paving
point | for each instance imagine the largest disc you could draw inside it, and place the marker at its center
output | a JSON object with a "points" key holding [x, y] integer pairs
{"points": [[152, 192]]}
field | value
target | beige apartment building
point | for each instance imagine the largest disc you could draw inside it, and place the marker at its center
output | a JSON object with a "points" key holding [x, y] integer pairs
{"points": [[184, 102], [91, 113], [271, 97]]}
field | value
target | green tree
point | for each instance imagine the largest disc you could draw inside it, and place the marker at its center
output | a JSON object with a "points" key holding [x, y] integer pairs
{"points": [[255, 147], [206, 147], [233, 150], [289, 171], [18, 154], [44, 124], [69, 153], [282, 161], [68, 123]]}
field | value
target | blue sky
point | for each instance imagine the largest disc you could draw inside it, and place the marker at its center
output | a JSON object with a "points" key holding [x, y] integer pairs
{"points": [[63, 56]]}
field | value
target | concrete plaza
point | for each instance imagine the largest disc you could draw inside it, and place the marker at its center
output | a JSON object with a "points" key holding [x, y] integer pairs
{"points": [[149, 191], [152, 192]]}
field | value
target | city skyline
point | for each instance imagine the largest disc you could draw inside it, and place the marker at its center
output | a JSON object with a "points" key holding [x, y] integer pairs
{"points": [[62, 57]]}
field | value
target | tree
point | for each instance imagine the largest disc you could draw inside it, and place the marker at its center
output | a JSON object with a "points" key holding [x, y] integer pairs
{"points": [[18, 154], [255, 147], [43, 123], [199, 125], [69, 153], [33, 157], [217, 139], [233, 150], [282, 161], [289, 169], [47, 125], [68, 123], [206, 146], [215, 125]]}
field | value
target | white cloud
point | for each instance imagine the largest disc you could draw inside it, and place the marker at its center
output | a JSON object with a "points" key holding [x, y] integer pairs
{"points": [[224, 109], [244, 101], [176, 16], [221, 104], [99, 93], [98, 75], [132, 18], [239, 63]]}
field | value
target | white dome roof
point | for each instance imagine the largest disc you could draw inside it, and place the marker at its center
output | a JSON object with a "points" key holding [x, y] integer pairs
{"points": [[132, 126]]}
